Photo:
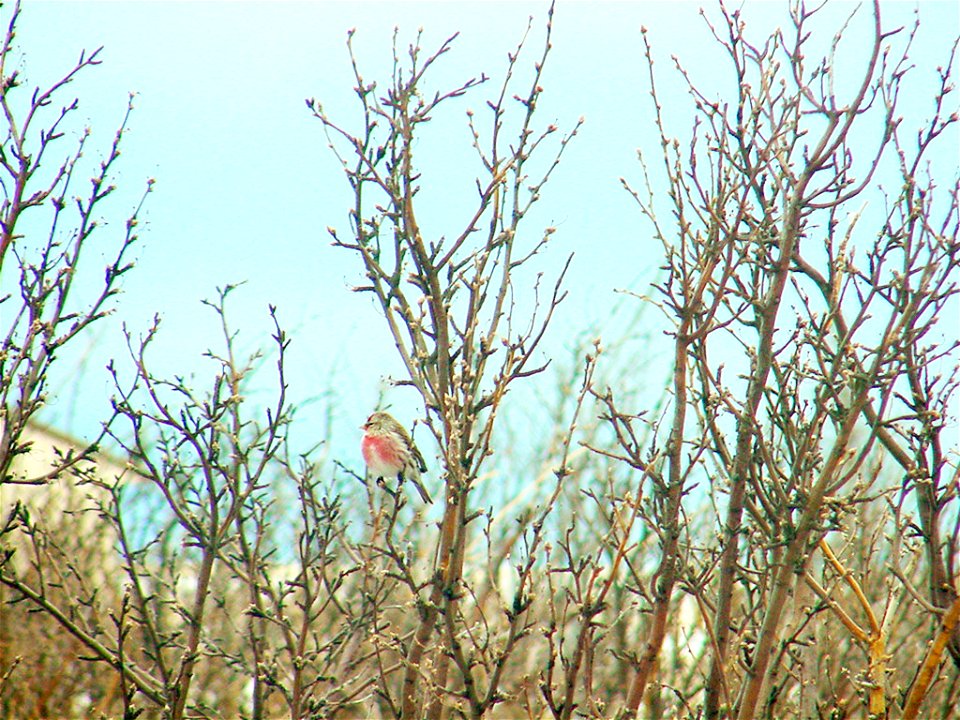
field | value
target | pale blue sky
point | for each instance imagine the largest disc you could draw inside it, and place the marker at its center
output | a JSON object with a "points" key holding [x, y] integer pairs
{"points": [[246, 185]]}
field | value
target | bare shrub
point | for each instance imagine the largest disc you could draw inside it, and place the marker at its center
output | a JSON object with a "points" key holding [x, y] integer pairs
{"points": [[772, 533]]}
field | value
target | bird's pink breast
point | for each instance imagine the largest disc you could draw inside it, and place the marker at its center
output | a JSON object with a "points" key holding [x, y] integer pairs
{"points": [[380, 454]]}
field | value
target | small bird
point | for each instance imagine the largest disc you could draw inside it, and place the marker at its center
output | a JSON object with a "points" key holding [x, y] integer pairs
{"points": [[389, 452]]}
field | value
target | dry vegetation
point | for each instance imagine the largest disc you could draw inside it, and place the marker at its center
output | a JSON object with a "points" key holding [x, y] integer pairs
{"points": [[775, 535]]}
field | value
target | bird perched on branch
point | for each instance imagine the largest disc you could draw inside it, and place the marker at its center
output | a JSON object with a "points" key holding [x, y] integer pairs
{"points": [[389, 452]]}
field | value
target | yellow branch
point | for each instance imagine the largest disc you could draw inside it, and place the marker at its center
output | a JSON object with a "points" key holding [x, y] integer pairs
{"points": [[875, 640], [930, 664], [854, 585], [858, 632]]}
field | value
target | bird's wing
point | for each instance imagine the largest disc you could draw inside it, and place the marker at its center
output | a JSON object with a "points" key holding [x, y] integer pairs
{"points": [[421, 465]]}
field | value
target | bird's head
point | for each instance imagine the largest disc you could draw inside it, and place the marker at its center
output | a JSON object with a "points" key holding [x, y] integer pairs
{"points": [[378, 422]]}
